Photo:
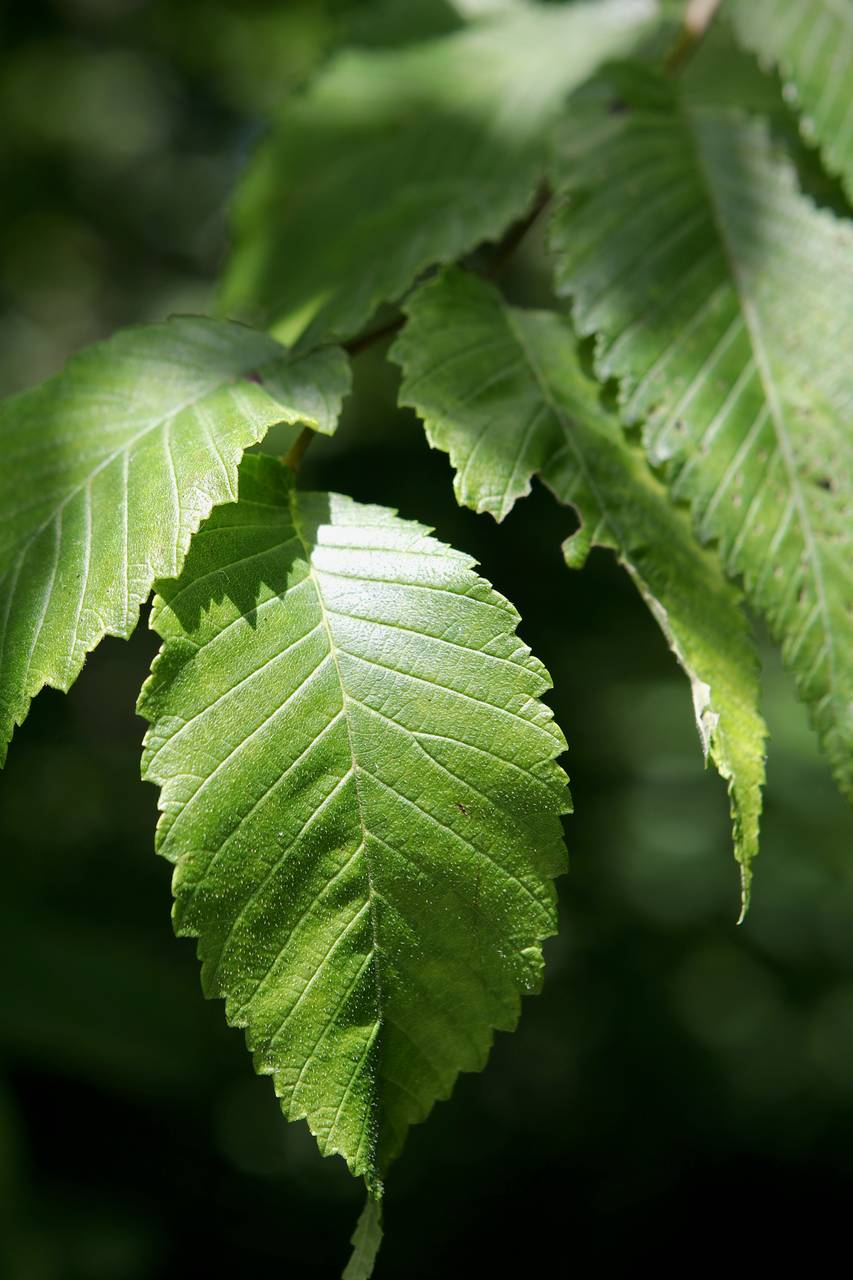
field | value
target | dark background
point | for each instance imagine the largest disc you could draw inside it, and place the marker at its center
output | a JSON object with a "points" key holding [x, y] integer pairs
{"points": [[680, 1093]]}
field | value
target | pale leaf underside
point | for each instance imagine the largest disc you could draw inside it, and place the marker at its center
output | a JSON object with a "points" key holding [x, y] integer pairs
{"points": [[722, 301], [397, 159], [110, 467], [360, 796], [503, 392]]}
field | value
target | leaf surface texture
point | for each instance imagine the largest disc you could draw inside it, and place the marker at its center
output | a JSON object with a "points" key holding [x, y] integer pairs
{"points": [[812, 46], [110, 467], [360, 796], [722, 301], [503, 392], [397, 159]]}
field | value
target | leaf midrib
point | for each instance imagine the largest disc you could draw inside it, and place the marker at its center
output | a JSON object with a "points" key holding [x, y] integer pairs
{"points": [[19, 549], [571, 444], [293, 501], [753, 327]]}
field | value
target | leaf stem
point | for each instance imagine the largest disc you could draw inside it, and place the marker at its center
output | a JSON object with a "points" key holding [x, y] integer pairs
{"points": [[293, 458], [504, 250], [361, 342], [698, 16], [507, 246]]}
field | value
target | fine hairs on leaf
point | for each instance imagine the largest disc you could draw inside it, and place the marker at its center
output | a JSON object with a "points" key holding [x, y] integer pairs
{"points": [[358, 791]]}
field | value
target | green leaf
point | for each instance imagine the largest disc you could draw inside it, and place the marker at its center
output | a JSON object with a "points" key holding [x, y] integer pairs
{"points": [[360, 796], [503, 392], [392, 23], [366, 1240], [111, 466], [389, 24], [397, 159], [722, 300], [812, 46]]}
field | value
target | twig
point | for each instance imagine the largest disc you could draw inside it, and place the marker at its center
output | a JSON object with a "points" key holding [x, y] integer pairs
{"points": [[503, 252], [363, 341], [516, 233], [698, 17], [355, 346]]}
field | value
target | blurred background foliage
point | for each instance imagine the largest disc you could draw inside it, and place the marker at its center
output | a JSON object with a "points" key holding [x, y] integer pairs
{"points": [[680, 1079]]}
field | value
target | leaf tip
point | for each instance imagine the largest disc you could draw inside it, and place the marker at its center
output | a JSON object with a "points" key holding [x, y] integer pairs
{"points": [[745, 891]]}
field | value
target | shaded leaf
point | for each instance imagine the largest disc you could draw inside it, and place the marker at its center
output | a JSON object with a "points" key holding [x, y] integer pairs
{"points": [[366, 1240], [812, 46], [396, 159], [721, 298], [503, 391], [110, 467]]}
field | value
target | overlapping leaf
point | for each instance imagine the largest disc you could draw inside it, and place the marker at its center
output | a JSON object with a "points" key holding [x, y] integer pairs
{"points": [[723, 302], [366, 1240], [503, 392], [110, 467], [360, 796], [397, 159], [812, 45]]}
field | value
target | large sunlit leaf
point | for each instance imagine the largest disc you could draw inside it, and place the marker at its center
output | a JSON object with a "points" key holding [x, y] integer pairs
{"points": [[397, 159], [722, 301], [360, 797], [502, 391], [110, 467], [811, 43]]}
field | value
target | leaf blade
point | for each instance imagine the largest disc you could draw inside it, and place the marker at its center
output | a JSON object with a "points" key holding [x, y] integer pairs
{"points": [[503, 392], [345, 731], [720, 299], [425, 151], [366, 1240], [111, 466], [812, 46]]}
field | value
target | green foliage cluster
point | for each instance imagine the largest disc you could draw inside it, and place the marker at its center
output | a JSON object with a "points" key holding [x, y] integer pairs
{"points": [[358, 780]]}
